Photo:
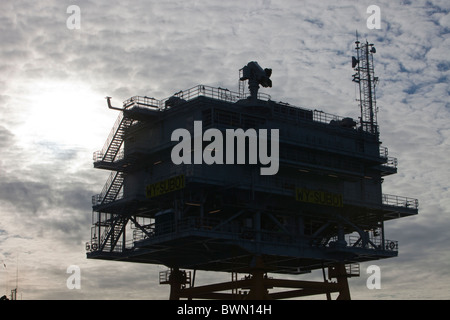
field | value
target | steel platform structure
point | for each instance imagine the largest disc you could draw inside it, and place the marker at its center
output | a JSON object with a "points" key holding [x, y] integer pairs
{"points": [[324, 209]]}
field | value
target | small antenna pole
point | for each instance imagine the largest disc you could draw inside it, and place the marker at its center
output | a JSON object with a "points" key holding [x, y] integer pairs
{"points": [[17, 273]]}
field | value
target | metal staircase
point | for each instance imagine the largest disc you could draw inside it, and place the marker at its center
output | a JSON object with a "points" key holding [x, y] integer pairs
{"points": [[108, 229], [111, 228], [111, 189], [110, 238], [114, 141]]}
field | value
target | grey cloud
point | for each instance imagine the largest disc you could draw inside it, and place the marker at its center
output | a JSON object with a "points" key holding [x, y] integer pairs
{"points": [[6, 137], [29, 196]]}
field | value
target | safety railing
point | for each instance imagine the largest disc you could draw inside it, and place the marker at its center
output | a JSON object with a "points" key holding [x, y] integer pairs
{"points": [[375, 243], [399, 201], [384, 152], [391, 162], [97, 199], [207, 91], [353, 269], [142, 101], [320, 116], [221, 94], [98, 156]]}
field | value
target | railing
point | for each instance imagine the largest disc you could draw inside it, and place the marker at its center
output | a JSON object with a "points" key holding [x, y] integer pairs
{"points": [[98, 156], [320, 116], [189, 94], [375, 243], [142, 101], [164, 277], [391, 162], [221, 94], [352, 269], [399, 201], [97, 199], [210, 92]]}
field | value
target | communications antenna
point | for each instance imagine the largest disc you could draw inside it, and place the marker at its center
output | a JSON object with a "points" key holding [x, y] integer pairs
{"points": [[367, 81], [14, 291]]}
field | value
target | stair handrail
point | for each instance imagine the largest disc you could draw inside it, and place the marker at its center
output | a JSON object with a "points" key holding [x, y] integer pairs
{"points": [[108, 185]]}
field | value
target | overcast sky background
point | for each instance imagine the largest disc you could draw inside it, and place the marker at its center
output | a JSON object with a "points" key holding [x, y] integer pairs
{"points": [[53, 114]]}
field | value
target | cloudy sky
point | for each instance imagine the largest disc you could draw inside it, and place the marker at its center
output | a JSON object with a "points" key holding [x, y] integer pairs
{"points": [[53, 80]]}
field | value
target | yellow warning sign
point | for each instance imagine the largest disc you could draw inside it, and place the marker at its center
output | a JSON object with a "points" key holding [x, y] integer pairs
{"points": [[165, 186], [319, 197]]}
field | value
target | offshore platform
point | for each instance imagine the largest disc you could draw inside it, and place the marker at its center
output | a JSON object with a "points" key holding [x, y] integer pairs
{"points": [[191, 203]]}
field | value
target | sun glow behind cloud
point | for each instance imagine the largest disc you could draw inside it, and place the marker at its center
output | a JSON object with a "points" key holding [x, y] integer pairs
{"points": [[63, 113]]}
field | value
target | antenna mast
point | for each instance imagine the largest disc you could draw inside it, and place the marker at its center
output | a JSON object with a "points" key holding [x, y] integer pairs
{"points": [[365, 77], [14, 291]]}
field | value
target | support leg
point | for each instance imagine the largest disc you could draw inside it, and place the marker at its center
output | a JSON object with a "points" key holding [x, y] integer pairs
{"points": [[338, 271], [176, 279]]}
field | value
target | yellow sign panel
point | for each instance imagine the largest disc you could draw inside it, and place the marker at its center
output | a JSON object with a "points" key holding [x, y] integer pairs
{"points": [[165, 186], [319, 197]]}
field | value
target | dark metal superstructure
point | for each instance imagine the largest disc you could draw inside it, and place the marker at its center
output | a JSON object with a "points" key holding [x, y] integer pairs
{"points": [[323, 209]]}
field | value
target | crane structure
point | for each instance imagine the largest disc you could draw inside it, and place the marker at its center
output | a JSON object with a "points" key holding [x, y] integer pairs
{"points": [[323, 209]]}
